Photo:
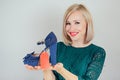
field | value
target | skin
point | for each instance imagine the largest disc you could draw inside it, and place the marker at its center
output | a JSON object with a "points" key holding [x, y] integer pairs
{"points": [[76, 29]]}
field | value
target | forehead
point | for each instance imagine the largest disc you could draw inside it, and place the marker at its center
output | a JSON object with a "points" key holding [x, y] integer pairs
{"points": [[77, 15]]}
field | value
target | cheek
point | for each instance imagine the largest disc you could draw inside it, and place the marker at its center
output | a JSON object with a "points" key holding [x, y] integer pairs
{"points": [[84, 29], [67, 28]]}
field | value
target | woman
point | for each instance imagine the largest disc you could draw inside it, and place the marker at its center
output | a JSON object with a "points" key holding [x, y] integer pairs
{"points": [[77, 57]]}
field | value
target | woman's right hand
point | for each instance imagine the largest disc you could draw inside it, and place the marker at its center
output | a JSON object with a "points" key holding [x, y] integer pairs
{"points": [[37, 67], [32, 68]]}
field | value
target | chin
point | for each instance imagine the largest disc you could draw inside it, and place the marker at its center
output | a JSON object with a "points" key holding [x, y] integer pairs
{"points": [[74, 39]]}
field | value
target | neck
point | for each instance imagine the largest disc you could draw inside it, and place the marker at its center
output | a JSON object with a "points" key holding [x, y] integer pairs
{"points": [[80, 44]]}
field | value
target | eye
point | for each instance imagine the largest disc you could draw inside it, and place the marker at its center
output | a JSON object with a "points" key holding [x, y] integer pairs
{"points": [[77, 22], [68, 23]]}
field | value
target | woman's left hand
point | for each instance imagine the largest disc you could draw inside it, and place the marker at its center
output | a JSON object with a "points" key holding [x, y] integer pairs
{"points": [[58, 67]]}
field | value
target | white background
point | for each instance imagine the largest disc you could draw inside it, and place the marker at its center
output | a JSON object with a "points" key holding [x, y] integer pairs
{"points": [[24, 22]]}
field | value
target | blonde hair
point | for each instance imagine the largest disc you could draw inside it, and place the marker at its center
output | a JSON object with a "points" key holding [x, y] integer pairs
{"points": [[88, 19]]}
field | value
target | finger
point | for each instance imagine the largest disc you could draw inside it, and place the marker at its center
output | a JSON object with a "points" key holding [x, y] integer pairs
{"points": [[37, 67], [26, 65], [29, 67], [51, 67], [60, 64], [48, 68]]}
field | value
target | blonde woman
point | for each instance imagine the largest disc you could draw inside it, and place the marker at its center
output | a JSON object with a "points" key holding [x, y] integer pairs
{"points": [[77, 57]]}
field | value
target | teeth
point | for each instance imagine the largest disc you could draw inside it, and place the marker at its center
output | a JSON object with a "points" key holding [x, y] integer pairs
{"points": [[73, 33]]}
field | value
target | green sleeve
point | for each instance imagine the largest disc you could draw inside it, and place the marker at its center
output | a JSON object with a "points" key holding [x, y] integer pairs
{"points": [[56, 75], [95, 66]]}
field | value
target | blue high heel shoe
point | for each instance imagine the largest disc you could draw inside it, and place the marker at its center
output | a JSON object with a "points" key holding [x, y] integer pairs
{"points": [[51, 44]]}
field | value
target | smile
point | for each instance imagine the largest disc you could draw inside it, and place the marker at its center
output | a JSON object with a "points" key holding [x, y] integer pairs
{"points": [[73, 33]]}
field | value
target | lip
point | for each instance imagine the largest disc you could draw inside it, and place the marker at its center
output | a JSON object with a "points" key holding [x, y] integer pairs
{"points": [[73, 33]]}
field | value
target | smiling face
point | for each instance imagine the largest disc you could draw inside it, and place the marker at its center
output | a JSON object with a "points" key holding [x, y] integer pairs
{"points": [[76, 26]]}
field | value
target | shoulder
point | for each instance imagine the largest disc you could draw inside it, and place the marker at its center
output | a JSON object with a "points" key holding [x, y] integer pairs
{"points": [[98, 50], [61, 47], [60, 44]]}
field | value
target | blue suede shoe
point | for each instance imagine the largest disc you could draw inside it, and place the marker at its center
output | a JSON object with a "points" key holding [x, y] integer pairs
{"points": [[30, 59], [53, 50], [50, 43]]}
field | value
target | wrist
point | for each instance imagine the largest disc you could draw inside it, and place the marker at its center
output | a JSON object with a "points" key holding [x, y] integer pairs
{"points": [[60, 70], [48, 75], [46, 71], [59, 67]]}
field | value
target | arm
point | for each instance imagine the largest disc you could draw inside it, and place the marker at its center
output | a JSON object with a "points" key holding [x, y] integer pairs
{"points": [[95, 66], [65, 73], [92, 72], [48, 75]]}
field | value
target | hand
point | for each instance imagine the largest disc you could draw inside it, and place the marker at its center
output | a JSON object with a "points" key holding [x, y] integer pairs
{"points": [[58, 67], [32, 68], [37, 67]]}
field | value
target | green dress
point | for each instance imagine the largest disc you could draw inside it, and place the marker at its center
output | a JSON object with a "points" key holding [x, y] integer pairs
{"points": [[86, 62]]}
